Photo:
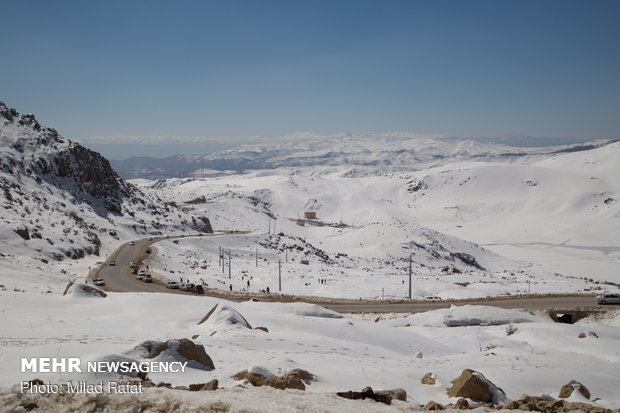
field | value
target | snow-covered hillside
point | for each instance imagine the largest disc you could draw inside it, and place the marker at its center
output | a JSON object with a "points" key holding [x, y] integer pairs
{"points": [[62, 202], [543, 225]]}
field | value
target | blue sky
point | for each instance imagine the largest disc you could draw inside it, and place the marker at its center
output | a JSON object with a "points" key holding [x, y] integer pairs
{"points": [[227, 70]]}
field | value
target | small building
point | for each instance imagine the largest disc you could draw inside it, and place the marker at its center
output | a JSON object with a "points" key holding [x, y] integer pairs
{"points": [[301, 222], [310, 215]]}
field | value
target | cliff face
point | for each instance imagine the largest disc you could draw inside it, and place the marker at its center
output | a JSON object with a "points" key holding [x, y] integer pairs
{"points": [[41, 153], [64, 200]]}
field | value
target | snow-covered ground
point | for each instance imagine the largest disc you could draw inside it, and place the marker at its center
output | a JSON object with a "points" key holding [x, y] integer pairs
{"points": [[342, 352], [473, 226], [542, 225]]}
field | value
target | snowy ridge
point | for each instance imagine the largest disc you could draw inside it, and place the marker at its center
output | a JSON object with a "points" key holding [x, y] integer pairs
{"points": [[390, 151], [62, 201]]}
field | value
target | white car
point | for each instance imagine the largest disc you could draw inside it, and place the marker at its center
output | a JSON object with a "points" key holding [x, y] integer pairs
{"points": [[172, 284], [141, 275], [132, 243], [186, 286], [99, 282], [148, 278], [112, 263], [608, 299]]}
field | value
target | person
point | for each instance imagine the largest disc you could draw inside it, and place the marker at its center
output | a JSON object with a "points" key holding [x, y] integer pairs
{"points": [[230, 287], [248, 283], [267, 290]]}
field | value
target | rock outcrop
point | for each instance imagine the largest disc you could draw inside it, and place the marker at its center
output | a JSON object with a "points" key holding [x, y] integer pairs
{"points": [[294, 379], [473, 385], [381, 396], [429, 378], [567, 390], [184, 347]]}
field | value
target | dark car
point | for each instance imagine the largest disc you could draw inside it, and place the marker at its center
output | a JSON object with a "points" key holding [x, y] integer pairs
{"points": [[197, 289]]}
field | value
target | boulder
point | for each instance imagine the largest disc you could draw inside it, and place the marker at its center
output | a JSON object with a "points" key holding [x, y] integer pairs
{"points": [[429, 378], [289, 380], [433, 405], [22, 231], [473, 385], [212, 385], [567, 390], [193, 351], [293, 379], [546, 403], [462, 404], [186, 348], [367, 393], [395, 394]]}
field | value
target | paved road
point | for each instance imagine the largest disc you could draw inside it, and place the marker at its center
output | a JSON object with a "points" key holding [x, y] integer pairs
{"points": [[120, 279], [564, 302]]}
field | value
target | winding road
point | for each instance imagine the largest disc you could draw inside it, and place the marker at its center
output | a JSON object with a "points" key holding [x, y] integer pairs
{"points": [[118, 278]]}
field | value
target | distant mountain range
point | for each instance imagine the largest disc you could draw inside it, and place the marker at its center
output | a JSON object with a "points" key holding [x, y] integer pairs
{"points": [[393, 151]]}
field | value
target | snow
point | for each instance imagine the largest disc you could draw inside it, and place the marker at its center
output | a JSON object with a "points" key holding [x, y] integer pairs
{"points": [[475, 220], [467, 315], [343, 353], [536, 226]]}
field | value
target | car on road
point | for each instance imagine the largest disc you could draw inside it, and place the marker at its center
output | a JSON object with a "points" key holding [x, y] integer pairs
{"points": [[148, 278], [150, 238], [148, 250], [141, 274], [186, 286], [608, 299], [172, 284], [132, 243], [134, 270], [99, 282], [197, 289], [112, 263]]}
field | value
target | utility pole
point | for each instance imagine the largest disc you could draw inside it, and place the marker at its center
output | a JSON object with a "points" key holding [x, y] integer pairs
{"points": [[286, 251], [256, 255], [229, 264], [220, 257], [274, 226], [269, 232], [410, 276], [280, 275]]}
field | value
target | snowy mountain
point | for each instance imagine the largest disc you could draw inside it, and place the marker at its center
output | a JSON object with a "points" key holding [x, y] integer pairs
{"points": [[63, 201], [392, 151], [545, 224]]}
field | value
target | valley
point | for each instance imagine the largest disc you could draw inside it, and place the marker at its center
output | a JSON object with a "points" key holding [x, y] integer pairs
{"points": [[486, 236]]}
